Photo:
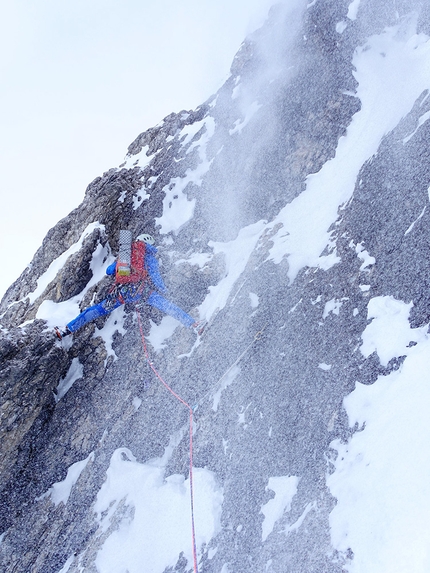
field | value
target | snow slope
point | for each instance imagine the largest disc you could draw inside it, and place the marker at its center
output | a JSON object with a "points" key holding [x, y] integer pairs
{"points": [[380, 478]]}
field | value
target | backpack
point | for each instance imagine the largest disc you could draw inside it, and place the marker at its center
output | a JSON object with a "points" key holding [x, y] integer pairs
{"points": [[130, 266]]}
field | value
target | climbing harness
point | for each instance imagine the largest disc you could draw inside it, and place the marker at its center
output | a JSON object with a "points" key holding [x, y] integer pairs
{"points": [[124, 293], [191, 435]]}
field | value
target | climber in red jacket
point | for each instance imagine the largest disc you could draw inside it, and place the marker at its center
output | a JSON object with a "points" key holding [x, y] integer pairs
{"points": [[140, 281]]}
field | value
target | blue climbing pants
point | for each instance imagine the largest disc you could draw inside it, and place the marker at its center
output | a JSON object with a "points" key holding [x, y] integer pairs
{"points": [[91, 313], [107, 306]]}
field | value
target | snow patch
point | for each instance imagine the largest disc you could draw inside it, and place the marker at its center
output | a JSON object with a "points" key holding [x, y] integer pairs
{"points": [[293, 308], [140, 159], [227, 379], [353, 9], [254, 299], [212, 551], [425, 117], [239, 124], [237, 254], [416, 221], [158, 526], [58, 263], [177, 208], [60, 491], [141, 195], [285, 488], [137, 402], [364, 256], [236, 91], [114, 323], [333, 306], [241, 419], [196, 259], [160, 333], [389, 334], [60, 313], [341, 27], [67, 564], [188, 133], [75, 372], [295, 526], [380, 477]]}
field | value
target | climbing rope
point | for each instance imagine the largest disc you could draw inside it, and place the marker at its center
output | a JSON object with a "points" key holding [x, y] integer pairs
{"points": [[193, 531], [257, 336]]}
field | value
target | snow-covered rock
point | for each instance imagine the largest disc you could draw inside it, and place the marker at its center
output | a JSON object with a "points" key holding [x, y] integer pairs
{"points": [[290, 210]]}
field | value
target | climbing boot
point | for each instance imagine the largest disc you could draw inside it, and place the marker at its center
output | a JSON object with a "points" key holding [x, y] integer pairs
{"points": [[60, 334]]}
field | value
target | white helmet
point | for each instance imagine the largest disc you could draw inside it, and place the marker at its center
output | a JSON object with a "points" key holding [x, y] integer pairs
{"points": [[146, 238]]}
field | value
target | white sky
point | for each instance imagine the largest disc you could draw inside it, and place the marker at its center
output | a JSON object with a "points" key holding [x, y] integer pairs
{"points": [[81, 79]]}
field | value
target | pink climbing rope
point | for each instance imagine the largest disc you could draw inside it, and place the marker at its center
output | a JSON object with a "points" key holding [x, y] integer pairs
{"points": [[191, 437]]}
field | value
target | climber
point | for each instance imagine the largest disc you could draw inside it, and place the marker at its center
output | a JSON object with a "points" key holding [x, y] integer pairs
{"points": [[137, 280]]}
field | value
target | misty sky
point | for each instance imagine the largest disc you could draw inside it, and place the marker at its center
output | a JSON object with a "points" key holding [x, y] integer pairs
{"points": [[81, 79]]}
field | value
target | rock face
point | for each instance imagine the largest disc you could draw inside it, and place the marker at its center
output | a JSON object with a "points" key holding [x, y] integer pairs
{"points": [[280, 353]]}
